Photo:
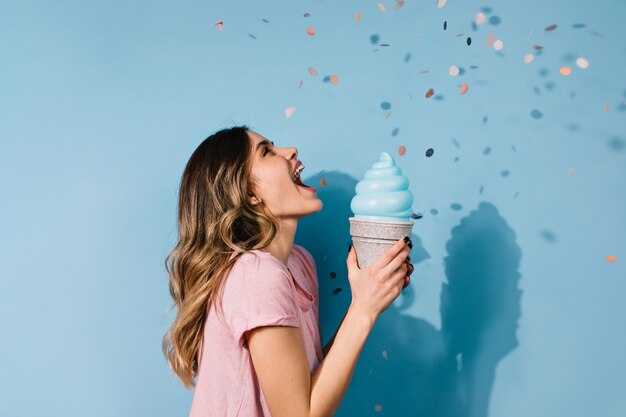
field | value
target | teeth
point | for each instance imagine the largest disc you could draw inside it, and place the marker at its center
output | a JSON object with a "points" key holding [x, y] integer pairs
{"points": [[297, 172]]}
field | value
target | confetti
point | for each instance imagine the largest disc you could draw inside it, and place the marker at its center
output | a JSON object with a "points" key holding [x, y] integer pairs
{"points": [[220, 25], [336, 291], [536, 114], [570, 171], [430, 152], [550, 28], [384, 354], [497, 45], [611, 258], [333, 275], [357, 16], [480, 18], [382, 7], [453, 70], [565, 70], [300, 84], [441, 3], [385, 105], [490, 40], [528, 58], [401, 150], [334, 79], [312, 71], [582, 63], [310, 31], [469, 41], [399, 4], [323, 182], [430, 93], [464, 88], [307, 14], [289, 111], [607, 107], [445, 24], [537, 47]]}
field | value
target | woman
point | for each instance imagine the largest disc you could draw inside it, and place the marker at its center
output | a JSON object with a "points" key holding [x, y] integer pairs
{"points": [[239, 204]]}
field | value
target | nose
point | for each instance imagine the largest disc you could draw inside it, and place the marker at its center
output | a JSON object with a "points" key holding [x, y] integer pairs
{"points": [[291, 153]]}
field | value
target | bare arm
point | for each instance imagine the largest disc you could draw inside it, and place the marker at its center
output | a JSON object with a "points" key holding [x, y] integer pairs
{"points": [[329, 344], [282, 367]]}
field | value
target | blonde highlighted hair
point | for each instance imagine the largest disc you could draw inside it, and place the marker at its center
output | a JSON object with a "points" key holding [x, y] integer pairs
{"points": [[215, 221]]}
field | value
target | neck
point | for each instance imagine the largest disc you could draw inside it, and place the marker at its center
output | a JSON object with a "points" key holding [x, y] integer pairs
{"points": [[283, 241]]}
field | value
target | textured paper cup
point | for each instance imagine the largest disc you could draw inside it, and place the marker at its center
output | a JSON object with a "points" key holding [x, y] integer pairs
{"points": [[373, 237]]}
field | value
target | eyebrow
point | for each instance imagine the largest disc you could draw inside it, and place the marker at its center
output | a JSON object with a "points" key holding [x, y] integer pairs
{"points": [[263, 142]]}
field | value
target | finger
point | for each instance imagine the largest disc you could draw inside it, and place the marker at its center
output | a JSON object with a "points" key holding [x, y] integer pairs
{"points": [[407, 281], [397, 261], [352, 261], [390, 254]]}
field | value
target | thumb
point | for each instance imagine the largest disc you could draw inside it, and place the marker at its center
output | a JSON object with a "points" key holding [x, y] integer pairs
{"points": [[352, 261]]}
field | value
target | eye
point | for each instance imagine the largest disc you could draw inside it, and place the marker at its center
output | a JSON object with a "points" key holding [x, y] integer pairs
{"points": [[266, 150]]}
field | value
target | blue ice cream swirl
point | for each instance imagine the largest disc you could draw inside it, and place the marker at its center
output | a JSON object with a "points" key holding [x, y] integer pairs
{"points": [[383, 193]]}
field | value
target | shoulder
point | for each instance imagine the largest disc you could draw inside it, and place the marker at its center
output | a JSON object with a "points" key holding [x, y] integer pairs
{"points": [[304, 254], [257, 268]]}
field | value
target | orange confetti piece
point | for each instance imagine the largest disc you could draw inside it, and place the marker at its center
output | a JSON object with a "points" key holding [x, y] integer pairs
{"points": [[490, 40], [310, 31], [220, 25], [464, 88], [565, 70], [607, 107], [611, 258], [334, 79], [570, 171], [323, 182], [441, 3], [401, 150], [430, 93], [289, 111], [382, 7], [312, 71], [357, 16]]}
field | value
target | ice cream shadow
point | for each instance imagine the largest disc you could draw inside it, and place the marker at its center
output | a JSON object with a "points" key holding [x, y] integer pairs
{"points": [[407, 366]]}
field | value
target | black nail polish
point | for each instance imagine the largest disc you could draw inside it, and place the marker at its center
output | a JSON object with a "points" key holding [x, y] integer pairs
{"points": [[349, 247], [410, 245], [406, 239]]}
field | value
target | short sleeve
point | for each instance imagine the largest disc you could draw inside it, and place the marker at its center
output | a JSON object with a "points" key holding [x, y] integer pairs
{"points": [[258, 292], [310, 268]]}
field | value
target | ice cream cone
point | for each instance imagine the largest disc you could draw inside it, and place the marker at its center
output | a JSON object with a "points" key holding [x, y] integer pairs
{"points": [[373, 237]]}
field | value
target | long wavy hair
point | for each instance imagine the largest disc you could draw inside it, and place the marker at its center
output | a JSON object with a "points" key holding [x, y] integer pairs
{"points": [[215, 221]]}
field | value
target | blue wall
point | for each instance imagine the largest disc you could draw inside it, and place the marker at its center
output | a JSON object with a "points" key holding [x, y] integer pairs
{"points": [[514, 309]]}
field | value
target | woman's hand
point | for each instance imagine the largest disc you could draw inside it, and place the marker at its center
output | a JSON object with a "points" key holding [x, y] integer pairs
{"points": [[376, 287]]}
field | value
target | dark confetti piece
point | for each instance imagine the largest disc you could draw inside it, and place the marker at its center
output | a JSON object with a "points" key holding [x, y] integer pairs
{"points": [[536, 114], [550, 28], [374, 39], [445, 25], [336, 291], [395, 132], [333, 275], [505, 173], [434, 212], [469, 41], [495, 20], [430, 152], [456, 206], [385, 105], [487, 151]]}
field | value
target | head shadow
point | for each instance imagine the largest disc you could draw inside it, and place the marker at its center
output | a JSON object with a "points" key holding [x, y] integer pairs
{"points": [[407, 366]]}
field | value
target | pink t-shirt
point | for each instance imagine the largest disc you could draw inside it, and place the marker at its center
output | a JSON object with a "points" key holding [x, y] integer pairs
{"points": [[258, 291]]}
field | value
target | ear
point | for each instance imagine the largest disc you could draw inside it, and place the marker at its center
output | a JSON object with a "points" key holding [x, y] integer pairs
{"points": [[254, 200]]}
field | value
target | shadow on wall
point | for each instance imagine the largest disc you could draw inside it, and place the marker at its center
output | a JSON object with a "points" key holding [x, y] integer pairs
{"points": [[407, 366]]}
